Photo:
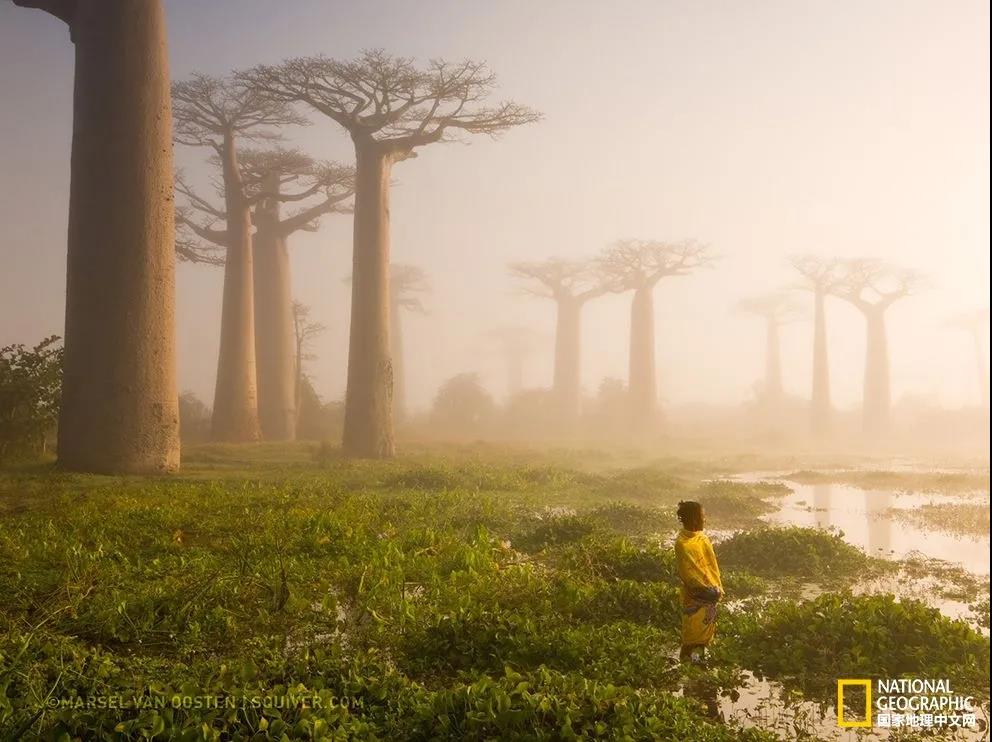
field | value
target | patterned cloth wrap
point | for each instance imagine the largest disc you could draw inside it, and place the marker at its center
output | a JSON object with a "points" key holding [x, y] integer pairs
{"points": [[701, 586]]}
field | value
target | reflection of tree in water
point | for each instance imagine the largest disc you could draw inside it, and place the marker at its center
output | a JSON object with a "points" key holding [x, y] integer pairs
{"points": [[877, 505], [822, 495]]}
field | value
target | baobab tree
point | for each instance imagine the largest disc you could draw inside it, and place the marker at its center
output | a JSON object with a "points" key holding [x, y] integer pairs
{"points": [[275, 358], [219, 113], [976, 324], [304, 332], [407, 283], [775, 309], [119, 410], [820, 276], [872, 287], [638, 266], [569, 284], [390, 108], [322, 188], [514, 344]]}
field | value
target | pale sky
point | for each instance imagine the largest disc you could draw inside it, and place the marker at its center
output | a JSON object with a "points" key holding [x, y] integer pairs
{"points": [[764, 129]]}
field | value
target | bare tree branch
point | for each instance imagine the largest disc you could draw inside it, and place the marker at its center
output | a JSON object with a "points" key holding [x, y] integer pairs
{"points": [[64, 10], [818, 274], [406, 284], [870, 284], [559, 279], [632, 264], [387, 101], [778, 306]]}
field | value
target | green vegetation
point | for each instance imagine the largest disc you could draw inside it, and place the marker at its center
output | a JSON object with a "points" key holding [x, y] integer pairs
{"points": [[965, 518], [809, 645], [900, 481], [441, 596], [30, 389], [796, 552]]}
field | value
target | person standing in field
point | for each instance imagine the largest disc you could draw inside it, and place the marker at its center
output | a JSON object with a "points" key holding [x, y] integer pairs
{"points": [[701, 585]]}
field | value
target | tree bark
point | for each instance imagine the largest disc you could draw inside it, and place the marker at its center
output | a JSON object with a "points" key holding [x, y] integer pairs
{"points": [[399, 369], [119, 410], [368, 417], [567, 384], [275, 341], [820, 409], [877, 396], [235, 417], [773, 363], [643, 384]]}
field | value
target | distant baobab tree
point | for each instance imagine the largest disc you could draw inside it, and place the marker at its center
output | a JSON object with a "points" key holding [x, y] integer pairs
{"points": [[776, 309], [821, 276], [333, 185], [569, 284], [407, 284], [321, 188], [219, 113], [515, 343], [119, 410], [304, 333], [976, 324], [390, 108], [872, 287], [638, 266]]}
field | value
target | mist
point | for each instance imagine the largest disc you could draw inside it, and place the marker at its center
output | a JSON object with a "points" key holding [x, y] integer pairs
{"points": [[767, 134]]}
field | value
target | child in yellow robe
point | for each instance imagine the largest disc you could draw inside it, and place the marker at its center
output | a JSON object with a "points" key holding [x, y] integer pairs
{"points": [[700, 575]]}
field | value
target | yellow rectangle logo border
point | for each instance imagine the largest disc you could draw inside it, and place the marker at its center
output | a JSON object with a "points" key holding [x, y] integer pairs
{"points": [[848, 682]]}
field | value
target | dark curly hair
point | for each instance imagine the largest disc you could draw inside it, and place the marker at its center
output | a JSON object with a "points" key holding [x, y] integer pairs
{"points": [[690, 513]]}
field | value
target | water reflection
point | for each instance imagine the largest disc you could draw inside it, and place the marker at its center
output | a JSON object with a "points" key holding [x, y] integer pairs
{"points": [[865, 518], [877, 506], [822, 495]]}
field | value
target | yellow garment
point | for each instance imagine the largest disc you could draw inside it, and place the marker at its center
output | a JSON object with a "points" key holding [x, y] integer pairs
{"points": [[697, 568]]}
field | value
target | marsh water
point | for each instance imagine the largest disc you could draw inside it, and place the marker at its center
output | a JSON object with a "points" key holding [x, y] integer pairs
{"points": [[869, 519]]}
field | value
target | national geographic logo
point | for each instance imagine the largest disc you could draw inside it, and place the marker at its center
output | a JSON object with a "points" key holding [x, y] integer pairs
{"points": [[910, 703]]}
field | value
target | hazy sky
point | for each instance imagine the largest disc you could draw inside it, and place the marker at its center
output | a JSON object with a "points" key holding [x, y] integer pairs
{"points": [[762, 128]]}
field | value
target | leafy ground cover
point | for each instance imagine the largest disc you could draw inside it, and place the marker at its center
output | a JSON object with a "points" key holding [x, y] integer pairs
{"points": [[440, 596]]}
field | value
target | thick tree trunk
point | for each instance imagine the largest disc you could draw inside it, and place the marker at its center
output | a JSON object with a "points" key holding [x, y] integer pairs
{"points": [[773, 364], [567, 384], [642, 383], [119, 401], [235, 417], [368, 417], [820, 409], [275, 341], [877, 397], [399, 370]]}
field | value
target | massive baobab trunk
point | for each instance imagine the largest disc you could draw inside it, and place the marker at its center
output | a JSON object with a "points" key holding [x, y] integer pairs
{"points": [[368, 417], [643, 383], [119, 401], [820, 409], [275, 344], [877, 396], [567, 386], [235, 417]]}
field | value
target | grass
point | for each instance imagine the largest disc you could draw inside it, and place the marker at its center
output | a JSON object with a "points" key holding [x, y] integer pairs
{"points": [[459, 593], [962, 482]]}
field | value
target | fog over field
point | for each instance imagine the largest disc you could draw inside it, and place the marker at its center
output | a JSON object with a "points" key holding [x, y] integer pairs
{"points": [[763, 131]]}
